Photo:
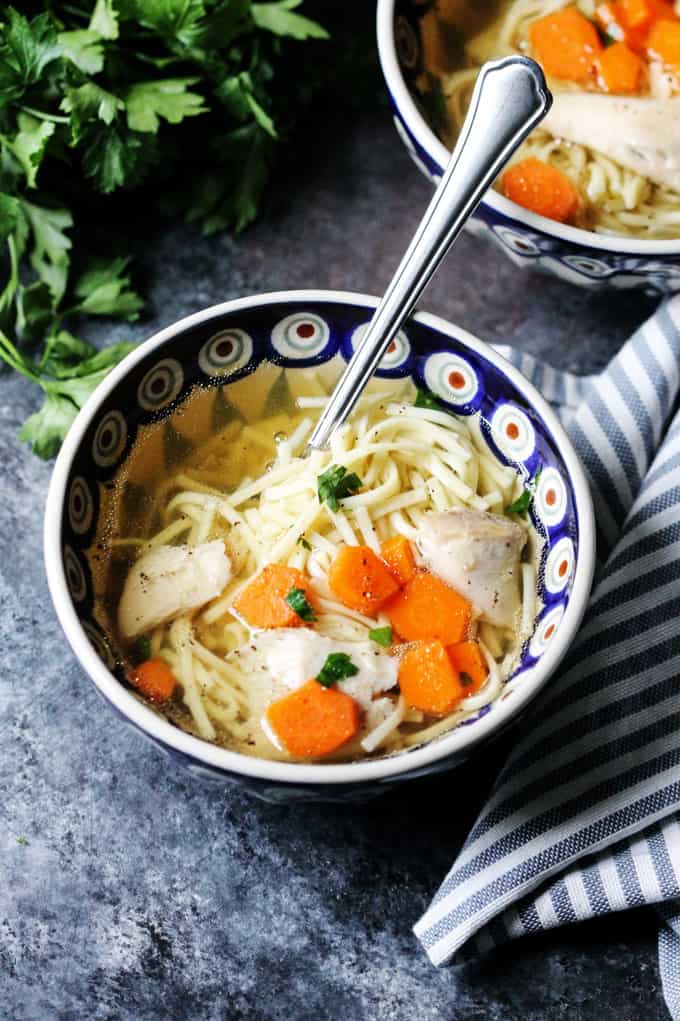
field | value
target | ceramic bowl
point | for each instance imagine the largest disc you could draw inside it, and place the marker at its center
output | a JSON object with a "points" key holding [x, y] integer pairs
{"points": [[578, 256], [246, 343]]}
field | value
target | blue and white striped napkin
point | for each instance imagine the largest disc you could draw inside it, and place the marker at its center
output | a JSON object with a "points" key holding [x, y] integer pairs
{"points": [[584, 819]]}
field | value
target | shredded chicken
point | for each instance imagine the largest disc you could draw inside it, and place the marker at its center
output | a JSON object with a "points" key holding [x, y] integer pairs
{"points": [[293, 656], [171, 580], [478, 555], [640, 133]]}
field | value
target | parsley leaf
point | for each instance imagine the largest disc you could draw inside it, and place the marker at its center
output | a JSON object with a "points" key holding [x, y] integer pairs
{"points": [[34, 311], [10, 210], [168, 98], [279, 19], [177, 21], [64, 397], [143, 648], [112, 157], [104, 289], [29, 144], [304, 543], [237, 95], [84, 48], [46, 429], [23, 841], [231, 195], [104, 20], [337, 667], [425, 399], [51, 244], [335, 484], [67, 373], [523, 502], [297, 600], [27, 48], [87, 104], [67, 357], [381, 635]]}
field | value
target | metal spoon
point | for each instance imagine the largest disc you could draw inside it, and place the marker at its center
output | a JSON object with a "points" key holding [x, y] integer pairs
{"points": [[509, 99]]}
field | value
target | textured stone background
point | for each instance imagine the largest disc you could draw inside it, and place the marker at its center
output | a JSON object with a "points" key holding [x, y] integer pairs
{"points": [[143, 895]]}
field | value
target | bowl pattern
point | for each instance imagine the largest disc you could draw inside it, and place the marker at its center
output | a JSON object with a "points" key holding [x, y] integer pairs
{"points": [[585, 265], [225, 348]]}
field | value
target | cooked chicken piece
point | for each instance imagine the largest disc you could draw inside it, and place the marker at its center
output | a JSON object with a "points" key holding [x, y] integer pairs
{"points": [[640, 133], [478, 555], [168, 581], [293, 656]]}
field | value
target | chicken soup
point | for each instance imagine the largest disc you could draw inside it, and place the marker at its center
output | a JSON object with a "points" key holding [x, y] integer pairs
{"points": [[354, 602], [607, 156]]}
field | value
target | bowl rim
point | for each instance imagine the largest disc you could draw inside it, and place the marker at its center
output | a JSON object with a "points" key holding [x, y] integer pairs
{"points": [[438, 152], [221, 759]]}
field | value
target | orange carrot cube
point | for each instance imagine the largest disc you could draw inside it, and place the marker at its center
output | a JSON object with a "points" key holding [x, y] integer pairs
{"points": [[314, 721], [428, 680]]}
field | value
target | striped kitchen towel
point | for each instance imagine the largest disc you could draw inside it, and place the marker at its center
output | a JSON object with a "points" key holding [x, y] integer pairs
{"points": [[585, 816]]}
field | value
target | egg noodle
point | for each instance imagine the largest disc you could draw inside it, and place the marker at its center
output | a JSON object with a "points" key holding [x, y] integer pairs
{"points": [[619, 201], [410, 460]]}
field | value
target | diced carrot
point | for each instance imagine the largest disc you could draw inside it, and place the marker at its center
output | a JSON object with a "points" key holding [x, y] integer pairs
{"points": [[398, 555], [428, 680], [313, 721], [427, 610], [566, 44], [155, 679], [619, 70], [542, 188], [636, 13], [612, 19], [360, 580], [467, 658], [262, 603], [663, 43], [662, 9]]}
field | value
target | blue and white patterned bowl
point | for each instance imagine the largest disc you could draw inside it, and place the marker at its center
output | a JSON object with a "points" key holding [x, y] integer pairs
{"points": [[260, 335], [579, 256]]}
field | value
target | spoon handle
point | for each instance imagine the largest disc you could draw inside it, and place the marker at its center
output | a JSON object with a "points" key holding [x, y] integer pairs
{"points": [[509, 99]]}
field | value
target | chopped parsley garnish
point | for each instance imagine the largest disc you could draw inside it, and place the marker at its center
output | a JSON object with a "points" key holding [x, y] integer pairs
{"points": [[297, 600], [143, 648], [304, 543], [523, 502], [381, 635], [337, 667], [23, 841], [335, 484], [465, 679], [425, 399]]}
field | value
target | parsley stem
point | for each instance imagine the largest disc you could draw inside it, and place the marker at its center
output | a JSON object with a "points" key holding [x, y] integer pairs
{"points": [[79, 12], [13, 282], [12, 357], [44, 116]]}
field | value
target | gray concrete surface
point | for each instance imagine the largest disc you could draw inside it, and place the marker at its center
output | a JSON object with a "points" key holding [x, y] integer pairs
{"points": [[128, 892]]}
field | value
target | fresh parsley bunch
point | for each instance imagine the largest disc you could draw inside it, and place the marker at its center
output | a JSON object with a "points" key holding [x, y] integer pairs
{"points": [[95, 97]]}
